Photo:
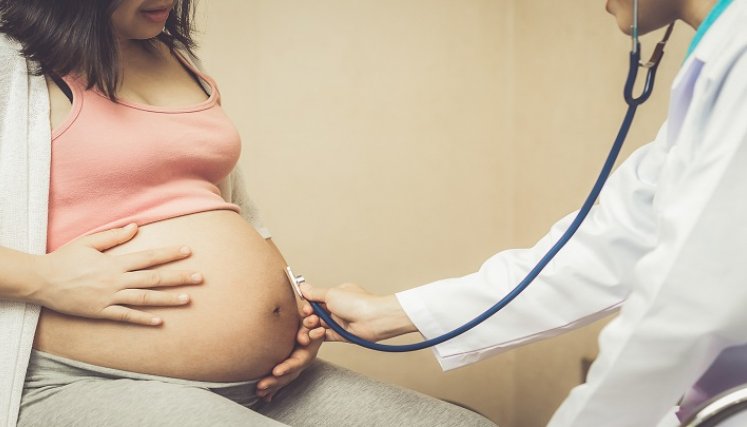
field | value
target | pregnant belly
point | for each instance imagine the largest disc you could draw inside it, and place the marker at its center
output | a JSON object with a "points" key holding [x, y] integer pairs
{"points": [[239, 323]]}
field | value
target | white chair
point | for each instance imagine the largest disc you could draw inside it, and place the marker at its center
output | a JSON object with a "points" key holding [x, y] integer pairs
{"points": [[728, 409]]}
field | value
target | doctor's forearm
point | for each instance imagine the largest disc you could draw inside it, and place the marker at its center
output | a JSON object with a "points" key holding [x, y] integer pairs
{"points": [[393, 320]]}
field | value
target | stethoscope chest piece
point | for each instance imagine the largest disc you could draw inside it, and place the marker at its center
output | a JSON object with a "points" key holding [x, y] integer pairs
{"points": [[295, 281]]}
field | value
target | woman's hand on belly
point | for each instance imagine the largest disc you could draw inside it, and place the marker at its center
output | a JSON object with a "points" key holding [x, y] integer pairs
{"points": [[240, 322], [79, 280], [307, 347]]}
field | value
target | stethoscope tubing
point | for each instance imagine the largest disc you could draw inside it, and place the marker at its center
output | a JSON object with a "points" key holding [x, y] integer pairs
{"points": [[564, 239], [633, 103]]}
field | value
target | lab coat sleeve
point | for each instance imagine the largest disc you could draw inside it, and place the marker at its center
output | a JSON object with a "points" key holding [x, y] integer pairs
{"points": [[671, 330], [585, 281]]}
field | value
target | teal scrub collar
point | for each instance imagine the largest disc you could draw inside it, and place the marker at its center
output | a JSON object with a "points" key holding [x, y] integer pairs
{"points": [[717, 10]]}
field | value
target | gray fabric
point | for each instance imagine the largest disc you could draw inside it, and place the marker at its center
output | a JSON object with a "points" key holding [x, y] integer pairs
{"points": [[327, 395], [60, 392]]}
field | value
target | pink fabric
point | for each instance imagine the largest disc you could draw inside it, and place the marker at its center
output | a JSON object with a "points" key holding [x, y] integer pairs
{"points": [[117, 163]]}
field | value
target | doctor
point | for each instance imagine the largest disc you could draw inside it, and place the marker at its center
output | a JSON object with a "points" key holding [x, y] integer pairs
{"points": [[666, 246]]}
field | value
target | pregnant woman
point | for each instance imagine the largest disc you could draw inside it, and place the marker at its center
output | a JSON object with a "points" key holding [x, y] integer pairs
{"points": [[180, 317]]}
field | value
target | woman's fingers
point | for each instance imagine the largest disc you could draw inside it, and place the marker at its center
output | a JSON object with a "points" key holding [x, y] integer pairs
{"points": [[158, 278], [317, 334], [267, 388], [288, 370], [299, 359], [153, 257], [139, 297], [306, 336], [289, 366], [110, 238], [128, 315]]}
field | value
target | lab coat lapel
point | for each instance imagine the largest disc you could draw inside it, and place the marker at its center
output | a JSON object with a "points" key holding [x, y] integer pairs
{"points": [[684, 84], [681, 98]]}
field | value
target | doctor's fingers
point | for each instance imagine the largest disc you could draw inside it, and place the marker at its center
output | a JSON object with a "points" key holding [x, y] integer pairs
{"points": [[352, 287], [311, 322], [306, 309], [330, 334], [314, 294]]}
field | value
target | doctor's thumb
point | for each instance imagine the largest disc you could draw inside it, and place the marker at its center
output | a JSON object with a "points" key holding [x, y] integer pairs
{"points": [[313, 294]]}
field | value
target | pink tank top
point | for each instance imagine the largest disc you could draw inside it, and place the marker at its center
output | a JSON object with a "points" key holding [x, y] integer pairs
{"points": [[117, 163]]}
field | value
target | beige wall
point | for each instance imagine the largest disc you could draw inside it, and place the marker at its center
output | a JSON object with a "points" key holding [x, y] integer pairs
{"points": [[395, 142]]}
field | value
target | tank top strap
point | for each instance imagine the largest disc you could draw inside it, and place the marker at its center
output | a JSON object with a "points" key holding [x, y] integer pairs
{"points": [[205, 81], [77, 84], [77, 88]]}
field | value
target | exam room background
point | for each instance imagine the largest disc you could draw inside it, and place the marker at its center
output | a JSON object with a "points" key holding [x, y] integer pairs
{"points": [[396, 142]]}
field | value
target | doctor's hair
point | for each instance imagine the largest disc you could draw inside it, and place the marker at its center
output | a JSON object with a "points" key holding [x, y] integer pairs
{"points": [[77, 36]]}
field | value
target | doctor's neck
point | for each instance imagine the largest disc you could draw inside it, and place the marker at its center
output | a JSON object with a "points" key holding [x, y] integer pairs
{"points": [[693, 12]]}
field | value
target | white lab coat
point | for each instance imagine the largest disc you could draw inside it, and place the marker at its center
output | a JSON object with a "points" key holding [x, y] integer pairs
{"points": [[667, 244]]}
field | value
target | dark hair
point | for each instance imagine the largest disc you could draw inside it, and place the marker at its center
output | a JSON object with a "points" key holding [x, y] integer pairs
{"points": [[64, 36]]}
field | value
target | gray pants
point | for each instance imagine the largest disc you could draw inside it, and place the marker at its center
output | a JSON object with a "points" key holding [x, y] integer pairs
{"points": [[64, 392]]}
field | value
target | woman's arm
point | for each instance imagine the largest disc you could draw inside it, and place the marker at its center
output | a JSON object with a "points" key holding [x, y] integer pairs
{"points": [[80, 280], [19, 277]]}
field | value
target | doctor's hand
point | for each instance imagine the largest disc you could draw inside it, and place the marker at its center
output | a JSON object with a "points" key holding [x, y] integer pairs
{"points": [[82, 280], [368, 316], [303, 355]]}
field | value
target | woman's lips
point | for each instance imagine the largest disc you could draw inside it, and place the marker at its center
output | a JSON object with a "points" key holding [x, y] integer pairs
{"points": [[158, 15]]}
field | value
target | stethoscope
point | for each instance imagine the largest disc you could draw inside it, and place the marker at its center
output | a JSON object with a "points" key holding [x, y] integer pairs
{"points": [[633, 102]]}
